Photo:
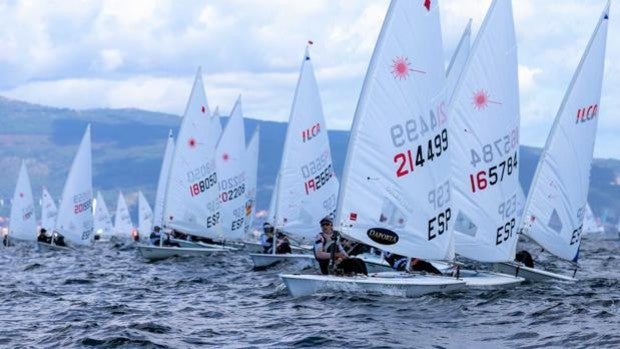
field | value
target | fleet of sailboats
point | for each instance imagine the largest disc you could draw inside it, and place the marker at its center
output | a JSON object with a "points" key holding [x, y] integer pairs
{"points": [[431, 171]]}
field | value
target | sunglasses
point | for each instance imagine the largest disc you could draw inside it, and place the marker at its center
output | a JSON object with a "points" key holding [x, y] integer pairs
{"points": [[326, 224]]}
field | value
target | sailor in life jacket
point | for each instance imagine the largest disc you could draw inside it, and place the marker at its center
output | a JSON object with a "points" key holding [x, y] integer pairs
{"points": [[266, 238], [324, 244], [398, 262]]}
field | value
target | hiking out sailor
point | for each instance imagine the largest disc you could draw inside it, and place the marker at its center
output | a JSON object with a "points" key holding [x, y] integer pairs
{"points": [[326, 244], [155, 235], [525, 258], [282, 244], [266, 238], [58, 239], [42, 236], [398, 262]]}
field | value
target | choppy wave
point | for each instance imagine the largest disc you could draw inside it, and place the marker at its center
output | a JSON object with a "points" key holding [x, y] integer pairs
{"points": [[110, 298]]}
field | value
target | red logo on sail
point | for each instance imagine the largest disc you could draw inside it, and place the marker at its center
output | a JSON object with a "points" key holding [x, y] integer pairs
{"points": [[401, 68], [225, 157], [192, 143], [481, 100], [587, 113], [203, 109], [427, 4], [352, 216]]}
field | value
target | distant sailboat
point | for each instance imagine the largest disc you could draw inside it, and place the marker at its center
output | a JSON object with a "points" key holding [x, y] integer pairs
{"points": [[49, 211], [591, 224], [123, 226], [393, 192], [251, 156], [75, 214], [306, 188], [556, 204], [145, 217], [23, 222], [231, 172], [103, 221], [158, 213], [191, 199]]}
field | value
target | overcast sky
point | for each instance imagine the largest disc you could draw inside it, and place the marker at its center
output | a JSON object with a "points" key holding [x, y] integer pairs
{"points": [[144, 53]]}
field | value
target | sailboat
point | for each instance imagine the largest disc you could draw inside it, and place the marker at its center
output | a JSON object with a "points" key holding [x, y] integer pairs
{"points": [[306, 188], [484, 125], [393, 194], [162, 183], [591, 224], [555, 206], [23, 222], [145, 217], [232, 177], [376, 263], [123, 226], [75, 214], [251, 156], [49, 211], [191, 200], [103, 221]]}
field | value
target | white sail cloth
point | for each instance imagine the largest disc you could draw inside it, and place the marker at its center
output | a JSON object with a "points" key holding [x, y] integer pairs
{"points": [[555, 206]]}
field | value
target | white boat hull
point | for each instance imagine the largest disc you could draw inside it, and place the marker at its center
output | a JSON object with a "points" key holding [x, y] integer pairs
{"points": [[530, 274], [44, 247], [162, 252], [374, 263], [256, 247], [253, 247], [488, 280], [393, 284], [263, 260]]}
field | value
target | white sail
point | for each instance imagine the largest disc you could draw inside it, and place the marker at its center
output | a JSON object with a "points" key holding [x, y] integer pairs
{"points": [[307, 186], [23, 223], [75, 214], [145, 217], [49, 211], [231, 173], [271, 214], [520, 202], [484, 116], [158, 215], [556, 203], [103, 220], [191, 203], [457, 63], [395, 192], [122, 220], [591, 223], [251, 156]]}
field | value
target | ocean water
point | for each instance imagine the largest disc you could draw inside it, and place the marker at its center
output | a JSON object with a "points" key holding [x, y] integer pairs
{"points": [[111, 298]]}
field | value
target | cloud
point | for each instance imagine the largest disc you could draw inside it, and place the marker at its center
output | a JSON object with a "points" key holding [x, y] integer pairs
{"points": [[144, 53]]}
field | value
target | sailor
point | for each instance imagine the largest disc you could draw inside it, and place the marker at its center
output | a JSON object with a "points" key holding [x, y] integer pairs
{"points": [[5, 240], [155, 235], [42, 236], [525, 258], [398, 262], [135, 235], [326, 243], [282, 244], [58, 239], [266, 238]]}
